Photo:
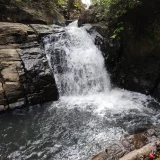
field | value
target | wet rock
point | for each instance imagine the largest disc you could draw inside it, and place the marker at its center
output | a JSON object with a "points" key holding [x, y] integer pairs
{"points": [[135, 141], [92, 16], [2, 98], [10, 64], [14, 33], [125, 143], [25, 75], [99, 156], [43, 30], [151, 132], [134, 155], [29, 44], [67, 22], [131, 147], [37, 77], [115, 151], [86, 17], [101, 28], [13, 91]]}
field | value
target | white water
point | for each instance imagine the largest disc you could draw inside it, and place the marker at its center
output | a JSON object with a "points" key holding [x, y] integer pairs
{"points": [[84, 86], [87, 2], [80, 66]]}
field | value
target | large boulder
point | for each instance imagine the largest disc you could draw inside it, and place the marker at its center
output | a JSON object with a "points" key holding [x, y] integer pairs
{"points": [[92, 15], [132, 147], [136, 65], [13, 33], [25, 75], [86, 17]]}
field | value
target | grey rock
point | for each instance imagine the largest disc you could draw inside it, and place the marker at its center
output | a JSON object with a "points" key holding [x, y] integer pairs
{"points": [[42, 30], [25, 75]]}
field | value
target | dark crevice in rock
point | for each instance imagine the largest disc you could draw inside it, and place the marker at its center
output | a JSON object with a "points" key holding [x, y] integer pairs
{"points": [[2, 81], [34, 30], [24, 91], [6, 98], [156, 84]]}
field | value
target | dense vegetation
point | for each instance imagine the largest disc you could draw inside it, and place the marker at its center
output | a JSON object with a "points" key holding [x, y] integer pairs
{"points": [[115, 8], [50, 3]]}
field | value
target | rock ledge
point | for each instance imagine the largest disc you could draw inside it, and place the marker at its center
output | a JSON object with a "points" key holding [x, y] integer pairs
{"points": [[25, 75]]}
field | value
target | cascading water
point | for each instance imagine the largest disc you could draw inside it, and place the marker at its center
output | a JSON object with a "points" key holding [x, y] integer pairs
{"points": [[87, 2], [90, 113], [84, 84], [77, 63]]}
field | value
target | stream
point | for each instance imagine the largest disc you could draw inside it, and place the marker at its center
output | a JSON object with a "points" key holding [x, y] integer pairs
{"points": [[90, 113]]}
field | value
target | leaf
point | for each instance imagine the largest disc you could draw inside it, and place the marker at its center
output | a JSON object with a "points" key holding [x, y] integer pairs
{"points": [[114, 36]]}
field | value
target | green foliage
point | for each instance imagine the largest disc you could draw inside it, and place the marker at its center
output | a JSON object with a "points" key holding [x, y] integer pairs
{"points": [[61, 2], [116, 32], [114, 8]]}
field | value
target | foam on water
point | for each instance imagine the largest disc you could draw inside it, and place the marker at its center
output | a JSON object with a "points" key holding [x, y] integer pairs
{"points": [[84, 84], [77, 63]]}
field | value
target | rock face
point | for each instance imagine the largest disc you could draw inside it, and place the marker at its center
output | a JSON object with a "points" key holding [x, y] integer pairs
{"points": [[92, 15], [25, 75], [30, 12], [136, 66], [134, 59]]}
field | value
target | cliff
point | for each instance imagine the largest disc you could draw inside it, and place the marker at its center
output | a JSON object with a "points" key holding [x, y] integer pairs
{"points": [[130, 44]]}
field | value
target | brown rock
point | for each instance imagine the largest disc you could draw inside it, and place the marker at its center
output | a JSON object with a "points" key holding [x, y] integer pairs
{"points": [[13, 91], [99, 156], [134, 155], [10, 63], [25, 75], [43, 30], [14, 33], [86, 17], [2, 98]]}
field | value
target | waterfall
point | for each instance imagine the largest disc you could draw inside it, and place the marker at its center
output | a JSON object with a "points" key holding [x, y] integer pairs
{"points": [[77, 63], [90, 114], [87, 2], [80, 74]]}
